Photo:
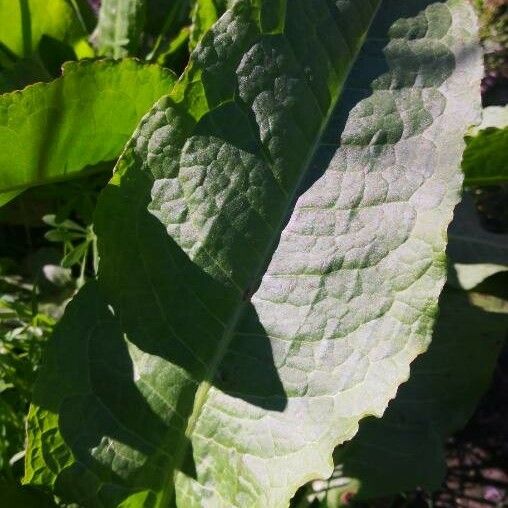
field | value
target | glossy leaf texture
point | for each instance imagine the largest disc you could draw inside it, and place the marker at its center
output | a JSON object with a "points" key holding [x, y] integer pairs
{"points": [[120, 27], [484, 161], [50, 131], [271, 257], [25, 23]]}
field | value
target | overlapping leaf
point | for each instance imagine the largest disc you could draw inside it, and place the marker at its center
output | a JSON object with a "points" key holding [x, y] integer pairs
{"points": [[49, 131], [23, 24], [485, 161], [264, 281]]}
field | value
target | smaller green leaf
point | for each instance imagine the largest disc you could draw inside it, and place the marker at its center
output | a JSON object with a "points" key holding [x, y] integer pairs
{"points": [[92, 110], [485, 158], [76, 255], [61, 235], [24, 22], [51, 220], [492, 117], [469, 276]]}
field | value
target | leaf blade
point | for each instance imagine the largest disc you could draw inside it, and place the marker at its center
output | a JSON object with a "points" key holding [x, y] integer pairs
{"points": [[23, 24], [92, 110], [484, 161], [253, 414]]}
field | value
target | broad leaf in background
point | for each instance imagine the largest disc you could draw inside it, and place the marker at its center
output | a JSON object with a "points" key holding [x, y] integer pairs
{"points": [[485, 159], [49, 131], [241, 324], [120, 27], [474, 252], [23, 23], [405, 449]]}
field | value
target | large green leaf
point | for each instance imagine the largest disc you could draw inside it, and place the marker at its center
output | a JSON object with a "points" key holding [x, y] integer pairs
{"points": [[23, 23], [264, 282], [120, 27], [49, 131], [485, 159]]}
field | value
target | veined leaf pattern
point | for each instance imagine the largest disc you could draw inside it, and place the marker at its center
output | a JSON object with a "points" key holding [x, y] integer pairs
{"points": [[271, 260]]}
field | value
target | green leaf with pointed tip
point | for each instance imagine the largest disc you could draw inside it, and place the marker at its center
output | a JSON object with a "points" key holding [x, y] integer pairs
{"points": [[270, 257], [405, 449], [485, 161], [120, 27], [50, 131], [23, 23]]}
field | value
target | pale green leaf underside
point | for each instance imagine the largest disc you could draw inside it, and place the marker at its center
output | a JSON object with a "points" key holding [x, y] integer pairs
{"points": [[218, 361], [405, 449], [49, 131]]}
